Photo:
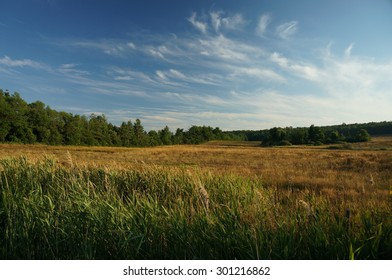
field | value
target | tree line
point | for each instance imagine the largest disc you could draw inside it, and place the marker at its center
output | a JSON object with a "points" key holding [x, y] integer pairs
{"points": [[313, 135], [318, 135], [37, 123]]}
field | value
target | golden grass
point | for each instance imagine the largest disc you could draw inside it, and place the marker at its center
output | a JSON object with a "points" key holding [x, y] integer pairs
{"points": [[295, 168], [332, 203]]}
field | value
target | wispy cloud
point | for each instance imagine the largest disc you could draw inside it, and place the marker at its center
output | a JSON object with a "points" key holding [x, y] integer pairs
{"points": [[347, 51], [216, 77], [222, 47], [262, 25], [259, 73], [107, 46], [298, 68], [7, 61], [181, 78], [199, 25], [70, 68], [219, 22], [287, 29]]}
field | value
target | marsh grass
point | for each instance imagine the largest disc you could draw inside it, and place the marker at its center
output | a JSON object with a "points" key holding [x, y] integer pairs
{"points": [[49, 210]]}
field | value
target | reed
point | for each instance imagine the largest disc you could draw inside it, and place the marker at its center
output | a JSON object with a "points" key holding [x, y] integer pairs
{"points": [[49, 210]]}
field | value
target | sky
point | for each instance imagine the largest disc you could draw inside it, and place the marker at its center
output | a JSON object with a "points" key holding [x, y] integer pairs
{"points": [[236, 65]]}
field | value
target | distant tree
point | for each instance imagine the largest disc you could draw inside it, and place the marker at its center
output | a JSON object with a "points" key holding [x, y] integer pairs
{"points": [[194, 135], [114, 135], [298, 136], [165, 136], [334, 136], [140, 135], [363, 136], [74, 129], [315, 134], [38, 120], [20, 131], [154, 138], [178, 137], [56, 125], [276, 136], [5, 114], [127, 134], [207, 133], [99, 129]]}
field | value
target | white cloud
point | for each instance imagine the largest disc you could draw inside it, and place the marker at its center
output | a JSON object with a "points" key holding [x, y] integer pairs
{"points": [[7, 61], [156, 53], [199, 25], [161, 75], [287, 29], [235, 22], [347, 51], [131, 45], [298, 68], [216, 20], [108, 46], [263, 24], [70, 69], [223, 48], [258, 73], [280, 60]]}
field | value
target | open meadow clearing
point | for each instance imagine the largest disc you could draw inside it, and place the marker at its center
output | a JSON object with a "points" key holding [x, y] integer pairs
{"points": [[220, 200]]}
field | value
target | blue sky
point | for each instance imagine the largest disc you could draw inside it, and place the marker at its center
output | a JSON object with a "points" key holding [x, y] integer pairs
{"points": [[226, 63]]}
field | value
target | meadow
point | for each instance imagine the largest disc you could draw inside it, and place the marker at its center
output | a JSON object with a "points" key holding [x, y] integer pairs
{"points": [[220, 200]]}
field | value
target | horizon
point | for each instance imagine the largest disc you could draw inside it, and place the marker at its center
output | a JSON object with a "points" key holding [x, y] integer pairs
{"points": [[236, 66]]}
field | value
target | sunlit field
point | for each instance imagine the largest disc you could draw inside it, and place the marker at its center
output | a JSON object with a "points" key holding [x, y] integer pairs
{"points": [[221, 200]]}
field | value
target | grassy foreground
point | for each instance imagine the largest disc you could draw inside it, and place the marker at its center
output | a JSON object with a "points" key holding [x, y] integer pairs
{"points": [[50, 210]]}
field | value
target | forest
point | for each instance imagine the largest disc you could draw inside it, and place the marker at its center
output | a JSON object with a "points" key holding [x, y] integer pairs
{"points": [[36, 122], [21, 122], [318, 135]]}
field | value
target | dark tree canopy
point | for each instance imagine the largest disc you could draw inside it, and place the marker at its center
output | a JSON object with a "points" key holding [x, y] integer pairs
{"points": [[37, 123]]}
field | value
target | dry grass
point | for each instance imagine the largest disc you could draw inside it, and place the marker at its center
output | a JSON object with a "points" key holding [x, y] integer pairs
{"points": [[220, 200], [294, 168], [339, 175]]}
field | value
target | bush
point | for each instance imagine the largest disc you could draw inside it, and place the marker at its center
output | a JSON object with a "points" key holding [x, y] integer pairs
{"points": [[285, 143]]}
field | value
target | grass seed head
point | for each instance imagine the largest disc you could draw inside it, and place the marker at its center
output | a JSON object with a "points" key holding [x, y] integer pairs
{"points": [[306, 206]]}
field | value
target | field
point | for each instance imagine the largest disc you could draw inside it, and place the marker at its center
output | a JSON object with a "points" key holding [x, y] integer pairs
{"points": [[221, 200]]}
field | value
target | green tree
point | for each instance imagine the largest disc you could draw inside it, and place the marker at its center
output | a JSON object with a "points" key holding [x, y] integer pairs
{"points": [[363, 136], [154, 138], [334, 136], [74, 129], [20, 130], [299, 136], [5, 115], [38, 120], [165, 136], [277, 136], [99, 129], [178, 137], [316, 135], [140, 138], [127, 134], [194, 135]]}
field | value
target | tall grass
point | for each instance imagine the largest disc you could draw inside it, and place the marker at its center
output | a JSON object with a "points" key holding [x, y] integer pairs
{"points": [[54, 211]]}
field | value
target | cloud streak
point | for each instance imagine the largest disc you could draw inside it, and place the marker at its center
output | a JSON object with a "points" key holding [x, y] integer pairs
{"points": [[287, 29], [199, 25], [218, 21], [7, 61], [262, 25]]}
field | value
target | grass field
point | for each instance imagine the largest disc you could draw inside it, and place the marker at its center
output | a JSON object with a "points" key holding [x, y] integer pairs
{"points": [[221, 200]]}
